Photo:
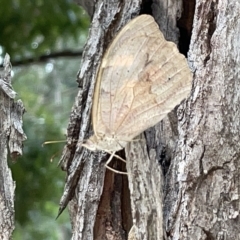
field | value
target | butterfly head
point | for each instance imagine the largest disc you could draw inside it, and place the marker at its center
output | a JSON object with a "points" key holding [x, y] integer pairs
{"points": [[104, 143], [91, 143]]}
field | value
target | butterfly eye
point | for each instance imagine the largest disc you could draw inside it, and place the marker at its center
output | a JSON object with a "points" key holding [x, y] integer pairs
{"points": [[90, 144]]}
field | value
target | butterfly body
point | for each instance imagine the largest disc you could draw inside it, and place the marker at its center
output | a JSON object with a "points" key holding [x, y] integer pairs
{"points": [[110, 144], [141, 79]]}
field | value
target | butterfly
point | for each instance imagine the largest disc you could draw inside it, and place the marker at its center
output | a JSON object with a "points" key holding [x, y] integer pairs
{"points": [[142, 77]]}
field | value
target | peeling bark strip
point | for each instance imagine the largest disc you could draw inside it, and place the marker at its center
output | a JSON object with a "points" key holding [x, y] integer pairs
{"points": [[12, 136], [145, 183]]}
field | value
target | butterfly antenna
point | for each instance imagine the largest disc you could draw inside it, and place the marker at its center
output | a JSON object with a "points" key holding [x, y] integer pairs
{"points": [[51, 142]]}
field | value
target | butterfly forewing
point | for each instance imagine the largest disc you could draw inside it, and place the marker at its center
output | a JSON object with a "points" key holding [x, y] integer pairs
{"points": [[142, 78]]}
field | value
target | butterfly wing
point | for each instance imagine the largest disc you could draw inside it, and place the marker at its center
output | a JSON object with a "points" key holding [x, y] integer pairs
{"points": [[142, 78]]}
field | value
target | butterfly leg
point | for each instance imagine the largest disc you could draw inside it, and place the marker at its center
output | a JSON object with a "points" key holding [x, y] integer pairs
{"points": [[110, 159], [114, 155], [118, 157]]}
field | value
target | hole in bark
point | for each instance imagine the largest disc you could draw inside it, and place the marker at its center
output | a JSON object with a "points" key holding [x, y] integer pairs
{"points": [[185, 25], [146, 7], [164, 159], [114, 209]]}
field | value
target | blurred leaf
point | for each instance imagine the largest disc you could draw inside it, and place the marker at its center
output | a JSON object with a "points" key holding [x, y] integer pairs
{"points": [[36, 177], [31, 28]]}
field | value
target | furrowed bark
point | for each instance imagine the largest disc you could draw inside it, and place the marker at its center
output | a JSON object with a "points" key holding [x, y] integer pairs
{"points": [[11, 138], [202, 186]]}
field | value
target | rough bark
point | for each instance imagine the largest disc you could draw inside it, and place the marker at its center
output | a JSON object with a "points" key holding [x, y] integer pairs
{"points": [[11, 136], [202, 189]]}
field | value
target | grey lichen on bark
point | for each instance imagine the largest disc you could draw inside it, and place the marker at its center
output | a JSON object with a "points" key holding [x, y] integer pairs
{"points": [[11, 137]]}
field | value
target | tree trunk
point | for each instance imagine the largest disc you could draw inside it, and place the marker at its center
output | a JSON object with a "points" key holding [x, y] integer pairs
{"points": [[202, 185], [188, 163], [11, 136]]}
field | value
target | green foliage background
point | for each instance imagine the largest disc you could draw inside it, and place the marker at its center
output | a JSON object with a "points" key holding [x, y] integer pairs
{"points": [[33, 27], [30, 29]]}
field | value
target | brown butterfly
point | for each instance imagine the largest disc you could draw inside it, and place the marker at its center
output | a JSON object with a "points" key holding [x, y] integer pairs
{"points": [[142, 77]]}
